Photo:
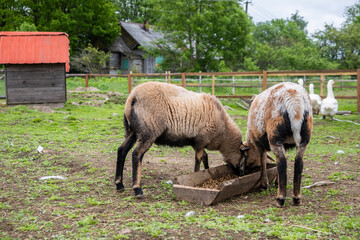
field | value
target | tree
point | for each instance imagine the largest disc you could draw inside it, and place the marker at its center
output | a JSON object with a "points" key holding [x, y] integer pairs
{"points": [[134, 10], [26, 27], [11, 14], [90, 60], [86, 21], [343, 44], [283, 44], [200, 34]]}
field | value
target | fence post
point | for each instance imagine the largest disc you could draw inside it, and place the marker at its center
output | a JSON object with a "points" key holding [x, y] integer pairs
{"points": [[200, 81], [86, 80], [233, 82], [322, 85], [166, 72], [213, 85], [129, 82], [259, 83], [169, 77], [183, 80], [358, 91], [264, 80]]}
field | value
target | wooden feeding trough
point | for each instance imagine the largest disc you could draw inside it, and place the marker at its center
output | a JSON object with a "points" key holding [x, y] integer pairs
{"points": [[188, 188]]}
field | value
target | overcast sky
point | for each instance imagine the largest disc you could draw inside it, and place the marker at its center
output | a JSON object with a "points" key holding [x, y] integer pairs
{"points": [[315, 12]]}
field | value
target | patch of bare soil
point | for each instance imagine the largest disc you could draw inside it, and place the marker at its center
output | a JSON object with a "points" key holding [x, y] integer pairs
{"points": [[166, 164], [85, 89], [98, 99]]}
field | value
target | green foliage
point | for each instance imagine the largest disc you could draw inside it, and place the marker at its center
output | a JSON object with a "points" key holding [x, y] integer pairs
{"points": [[282, 44], [90, 60], [342, 44], [200, 33], [85, 21], [134, 10], [26, 27]]}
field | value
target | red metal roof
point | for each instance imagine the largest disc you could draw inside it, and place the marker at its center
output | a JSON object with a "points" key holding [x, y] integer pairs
{"points": [[34, 47]]}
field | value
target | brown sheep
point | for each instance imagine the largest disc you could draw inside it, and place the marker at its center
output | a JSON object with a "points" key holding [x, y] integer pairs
{"points": [[166, 114], [279, 118]]}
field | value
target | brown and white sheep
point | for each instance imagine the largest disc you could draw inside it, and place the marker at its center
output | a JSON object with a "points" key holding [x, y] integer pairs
{"points": [[279, 118], [166, 114]]}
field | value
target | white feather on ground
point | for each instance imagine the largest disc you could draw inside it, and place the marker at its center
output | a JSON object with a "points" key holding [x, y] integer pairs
{"points": [[329, 105], [315, 100]]}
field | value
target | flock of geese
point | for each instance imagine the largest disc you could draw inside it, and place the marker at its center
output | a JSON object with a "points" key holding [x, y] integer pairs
{"points": [[326, 107]]}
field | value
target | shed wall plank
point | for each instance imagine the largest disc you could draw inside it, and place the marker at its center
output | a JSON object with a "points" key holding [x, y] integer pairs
{"points": [[36, 83], [35, 67]]}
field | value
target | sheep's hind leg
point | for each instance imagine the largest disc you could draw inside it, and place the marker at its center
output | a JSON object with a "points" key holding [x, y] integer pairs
{"points": [[121, 155], [298, 168], [279, 152], [137, 156]]}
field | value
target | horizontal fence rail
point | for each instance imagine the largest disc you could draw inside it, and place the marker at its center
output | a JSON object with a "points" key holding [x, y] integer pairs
{"points": [[246, 84]]}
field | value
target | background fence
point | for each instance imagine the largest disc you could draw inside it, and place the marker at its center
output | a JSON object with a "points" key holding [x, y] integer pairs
{"points": [[246, 84]]}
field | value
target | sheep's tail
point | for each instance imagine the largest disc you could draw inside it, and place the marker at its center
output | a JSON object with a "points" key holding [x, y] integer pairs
{"points": [[128, 108], [126, 127], [297, 125]]}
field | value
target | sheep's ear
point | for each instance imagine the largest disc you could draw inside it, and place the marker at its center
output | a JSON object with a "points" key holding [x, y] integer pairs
{"points": [[244, 148]]}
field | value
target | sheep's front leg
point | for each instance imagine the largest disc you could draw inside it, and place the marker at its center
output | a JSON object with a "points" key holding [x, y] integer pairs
{"points": [[298, 168], [264, 177], [201, 156], [279, 152], [137, 157], [121, 155]]}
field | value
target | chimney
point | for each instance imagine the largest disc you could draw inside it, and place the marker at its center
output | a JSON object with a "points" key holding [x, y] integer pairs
{"points": [[146, 25]]}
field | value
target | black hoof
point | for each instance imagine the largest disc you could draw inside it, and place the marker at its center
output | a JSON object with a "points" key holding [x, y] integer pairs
{"points": [[139, 193], [120, 187], [265, 187], [296, 201], [280, 202]]}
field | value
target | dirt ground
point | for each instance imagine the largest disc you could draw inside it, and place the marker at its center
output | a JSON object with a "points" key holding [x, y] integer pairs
{"points": [[162, 164]]}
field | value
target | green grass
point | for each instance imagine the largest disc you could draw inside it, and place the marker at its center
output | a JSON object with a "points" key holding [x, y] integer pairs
{"points": [[80, 144]]}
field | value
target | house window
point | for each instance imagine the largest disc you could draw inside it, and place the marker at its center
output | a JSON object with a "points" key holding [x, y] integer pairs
{"points": [[158, 60], [125, 64]]}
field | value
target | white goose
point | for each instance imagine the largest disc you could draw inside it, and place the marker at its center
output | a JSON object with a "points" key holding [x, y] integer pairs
{"points": [[301, 82], [329, 106], [315, 100]]}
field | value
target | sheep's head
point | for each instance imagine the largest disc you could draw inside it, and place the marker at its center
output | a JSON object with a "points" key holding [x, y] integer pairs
{"points": [[238, 162], [253, 156]]}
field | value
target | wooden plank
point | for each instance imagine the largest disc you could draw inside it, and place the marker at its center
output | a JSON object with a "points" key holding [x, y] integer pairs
{"points": [[183, 80], [264, 87], [222, 85], [130, 82], [195, 195], [213, 85], [35, 67], [28, 75], [197, 178], [49, 97], [358, 91], [242, 185], [234, 96], [36, 83], [34, 91], [185, 188]]}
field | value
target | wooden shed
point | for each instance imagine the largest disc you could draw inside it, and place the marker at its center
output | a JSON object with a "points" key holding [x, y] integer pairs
{"points": [[35, 66]]}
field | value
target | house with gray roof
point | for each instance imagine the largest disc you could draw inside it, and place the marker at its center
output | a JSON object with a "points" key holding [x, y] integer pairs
{"points": [[125, 54]]}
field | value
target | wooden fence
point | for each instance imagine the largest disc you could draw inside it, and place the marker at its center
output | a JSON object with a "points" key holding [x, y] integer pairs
{"points": [[260, 80]]}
